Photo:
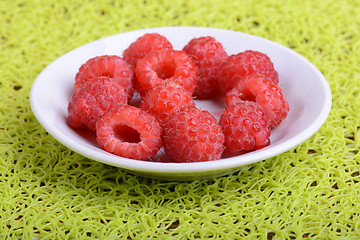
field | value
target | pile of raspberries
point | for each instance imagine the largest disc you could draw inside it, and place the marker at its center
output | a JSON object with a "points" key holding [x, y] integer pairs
{"points": [[168, 81]]}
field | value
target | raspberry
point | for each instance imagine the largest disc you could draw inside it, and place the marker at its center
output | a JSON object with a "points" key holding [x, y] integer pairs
{"points": [[243, 64], [107, 66], [144, 45], [165, 65], [266, 93], [165, 99], [193, 135], [207, 55], [129, 132], [245, 127], [92, 100]]}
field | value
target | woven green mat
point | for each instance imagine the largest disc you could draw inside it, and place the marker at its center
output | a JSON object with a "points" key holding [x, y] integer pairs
{"points": [[50, 192]]}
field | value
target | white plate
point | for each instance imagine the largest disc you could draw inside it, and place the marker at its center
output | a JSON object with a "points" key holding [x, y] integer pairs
{"points": [[305, 88]]}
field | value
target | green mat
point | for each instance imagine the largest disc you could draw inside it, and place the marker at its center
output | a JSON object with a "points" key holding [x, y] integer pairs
{"points": [[50, 192]]}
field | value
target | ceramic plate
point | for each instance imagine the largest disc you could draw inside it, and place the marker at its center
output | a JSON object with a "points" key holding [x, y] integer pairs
{"points": [[304, 87]]}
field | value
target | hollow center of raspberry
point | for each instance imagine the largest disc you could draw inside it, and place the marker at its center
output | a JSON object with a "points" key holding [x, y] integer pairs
{"points": [[165, 70], [127, 134], [107, 74]]}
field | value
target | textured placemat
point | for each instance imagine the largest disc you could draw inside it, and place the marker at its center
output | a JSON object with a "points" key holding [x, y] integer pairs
{"points": [[50, 192]]}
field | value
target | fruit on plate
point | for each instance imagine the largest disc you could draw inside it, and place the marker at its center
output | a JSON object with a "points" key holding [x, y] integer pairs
{"points": [[111, 66], [265, 92], [129, 132], [166, 99], [165, 65], [166, 82], [245, 127], [193, 135], [94, 98], [148, 43], [207, 55], [240, 65]]}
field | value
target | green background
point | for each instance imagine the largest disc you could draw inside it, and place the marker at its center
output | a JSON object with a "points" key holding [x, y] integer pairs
{"points": [[50, 192]]}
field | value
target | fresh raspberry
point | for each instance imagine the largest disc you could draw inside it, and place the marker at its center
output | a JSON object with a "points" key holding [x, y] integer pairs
{"points": [[207, 55], [243, 64], [245, 127], [129, 132], [165, 65], [193, 135], [149, 42], [92, 100], [266, 93], [165, 99], [107, 66]]}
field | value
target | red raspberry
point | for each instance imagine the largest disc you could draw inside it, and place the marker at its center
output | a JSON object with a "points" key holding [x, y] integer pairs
{"points": [[129, 132], [266, 93], [193, 135], [245, 127], [165, 65], [92, 100], [243, 64], [107, 66], [150, 42], [207, 55], [165, 99]]}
